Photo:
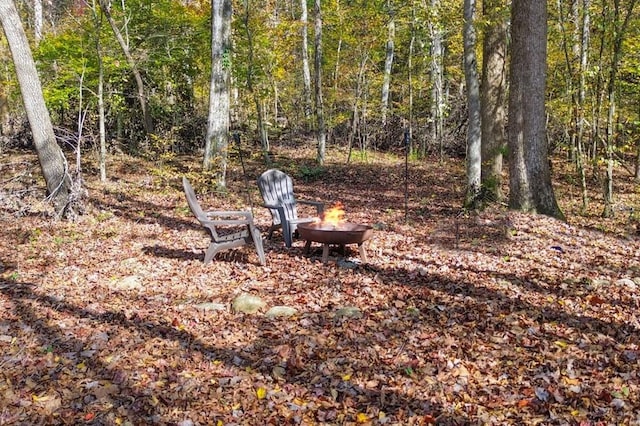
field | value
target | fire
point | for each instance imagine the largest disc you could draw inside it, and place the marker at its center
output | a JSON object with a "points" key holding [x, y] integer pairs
{"points": [[334, 216]]}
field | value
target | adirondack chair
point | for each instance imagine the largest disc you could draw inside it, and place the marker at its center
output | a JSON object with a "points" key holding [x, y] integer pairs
{"points": [[276, 188], [216, 222]]}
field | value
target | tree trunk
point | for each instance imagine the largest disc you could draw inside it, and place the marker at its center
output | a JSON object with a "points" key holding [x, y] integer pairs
{"points": [[141, 94], [321, 132], [620, 28], [493, 98], [388, 63], [585, 31], [474, 135], [306, 73], [437, 80], [217, 142], [37, 21], [355, 119], [102, 156], [530, 176], [261, 122], [52, 161]]}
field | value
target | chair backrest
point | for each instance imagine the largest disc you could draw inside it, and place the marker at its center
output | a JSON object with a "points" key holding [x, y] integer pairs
{"points": [[193, 201], [276, 188]]}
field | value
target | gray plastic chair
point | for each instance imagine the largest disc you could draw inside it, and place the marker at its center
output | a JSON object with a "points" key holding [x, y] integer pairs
{"points": [[276, 188], [216, 221]]}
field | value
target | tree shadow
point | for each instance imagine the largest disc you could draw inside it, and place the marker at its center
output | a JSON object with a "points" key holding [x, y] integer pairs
{"points": [[107, 392]]}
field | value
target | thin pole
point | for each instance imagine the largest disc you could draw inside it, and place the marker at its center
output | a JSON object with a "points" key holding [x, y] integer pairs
{"points": [[236, 138], [406, 174]]}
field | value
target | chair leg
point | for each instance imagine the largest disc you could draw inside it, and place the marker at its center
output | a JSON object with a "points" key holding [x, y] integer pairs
{"points": [[257, 242], [211, 252], [286, 234]]}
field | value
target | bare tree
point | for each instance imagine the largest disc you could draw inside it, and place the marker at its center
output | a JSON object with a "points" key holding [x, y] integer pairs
{"points": [[124, 45], [306, 74], [52, 161], [321, 131], [388, 63]]}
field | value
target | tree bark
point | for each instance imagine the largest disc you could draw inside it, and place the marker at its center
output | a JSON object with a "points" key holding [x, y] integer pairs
{"points": [[530, 175], [474, 135], [52, 161], [493, 98], [217, 142]]}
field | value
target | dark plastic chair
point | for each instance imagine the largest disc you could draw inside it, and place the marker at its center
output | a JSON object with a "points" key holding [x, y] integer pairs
{"points": [[276, 188]]}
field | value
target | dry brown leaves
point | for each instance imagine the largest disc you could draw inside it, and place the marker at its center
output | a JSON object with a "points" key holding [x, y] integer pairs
{"points": [[491, 318]]}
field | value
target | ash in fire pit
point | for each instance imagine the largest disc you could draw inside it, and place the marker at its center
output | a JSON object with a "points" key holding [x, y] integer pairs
{"points": [[332, 229]]}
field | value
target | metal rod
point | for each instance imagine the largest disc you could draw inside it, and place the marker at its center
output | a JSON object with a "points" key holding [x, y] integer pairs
{"points": [[406, 174], [236, 138]]}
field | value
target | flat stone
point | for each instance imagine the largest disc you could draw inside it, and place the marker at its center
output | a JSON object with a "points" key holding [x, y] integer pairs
{"points": [[131, 282], [628, 283], [281, 311], [247, 304], [349, 312], [211, 306]]}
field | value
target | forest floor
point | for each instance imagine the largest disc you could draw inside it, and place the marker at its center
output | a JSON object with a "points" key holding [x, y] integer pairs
{"points": [[458, 318]]}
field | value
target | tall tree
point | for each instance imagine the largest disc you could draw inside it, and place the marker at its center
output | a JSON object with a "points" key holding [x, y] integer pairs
{"points": [[321, 131], [306, 73], [474, 135], [217, 141], [621, 21], [388, 62], [530, 175], [436, 54], [52, 161], [124, 45], [493, 97]]}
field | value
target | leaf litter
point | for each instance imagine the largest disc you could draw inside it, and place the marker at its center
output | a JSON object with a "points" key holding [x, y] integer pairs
{"points": [[495, 317]]}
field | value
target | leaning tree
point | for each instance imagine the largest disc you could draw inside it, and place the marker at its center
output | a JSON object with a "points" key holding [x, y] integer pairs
{"points": [[52, 161]]}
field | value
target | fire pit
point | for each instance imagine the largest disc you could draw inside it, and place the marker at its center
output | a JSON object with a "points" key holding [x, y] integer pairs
{"points": [[332, 229]]}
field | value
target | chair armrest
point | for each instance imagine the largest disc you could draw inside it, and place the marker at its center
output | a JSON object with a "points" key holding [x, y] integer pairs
{"points": [[226, 217], [317, 204], [272, 206]]}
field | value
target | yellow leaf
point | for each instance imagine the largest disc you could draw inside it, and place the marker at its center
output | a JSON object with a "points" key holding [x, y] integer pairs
{"points": [[571, 381], [346, 377], [261, 393], [219, 423], [560, 344], [81, 366], [362, 418]]}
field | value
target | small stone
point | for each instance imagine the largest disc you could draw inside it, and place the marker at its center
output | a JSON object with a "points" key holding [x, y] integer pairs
{"points": [[281, 311], [349, 312], [598, 283], [211, 306], [248, 304], [628, 283], [131, 282]]}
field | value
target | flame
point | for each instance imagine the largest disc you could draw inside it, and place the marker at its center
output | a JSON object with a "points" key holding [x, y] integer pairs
{"points": [[334, 216]]}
